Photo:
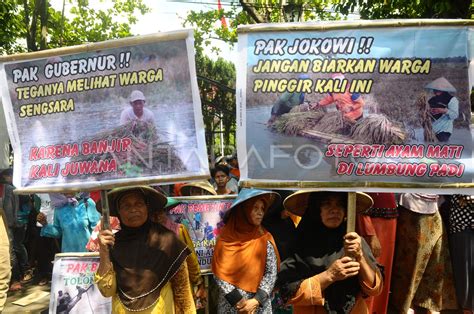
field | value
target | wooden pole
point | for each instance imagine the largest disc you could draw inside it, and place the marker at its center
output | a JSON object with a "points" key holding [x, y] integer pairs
{"points": [[351, 211], [206, 284], [105, 210]]}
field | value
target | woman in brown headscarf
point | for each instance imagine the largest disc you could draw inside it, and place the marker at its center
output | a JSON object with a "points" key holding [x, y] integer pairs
{"points": [[245, 260], [142, 267]]}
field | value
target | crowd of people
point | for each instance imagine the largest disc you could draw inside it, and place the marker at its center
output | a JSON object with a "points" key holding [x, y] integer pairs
{"points": [[276, 251]]}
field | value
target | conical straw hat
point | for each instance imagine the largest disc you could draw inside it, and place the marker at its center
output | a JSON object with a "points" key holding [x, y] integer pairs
{"points": [[154, 199], [298, 202], [441, 84], [204, 185], [246, 195]]}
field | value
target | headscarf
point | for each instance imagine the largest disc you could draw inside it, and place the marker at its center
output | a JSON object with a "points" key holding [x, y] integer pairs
{"points": [[164, 219], [309, 260], [282, 230], [240, 254], [145, 258], [59, 200]]}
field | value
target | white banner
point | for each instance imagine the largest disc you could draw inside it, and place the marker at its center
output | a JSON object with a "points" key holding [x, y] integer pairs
{"points": [[73, 289], [106, 114]]}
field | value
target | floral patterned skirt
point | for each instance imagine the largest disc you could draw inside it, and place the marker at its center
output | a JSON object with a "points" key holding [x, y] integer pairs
{"points": [[422, 273]]}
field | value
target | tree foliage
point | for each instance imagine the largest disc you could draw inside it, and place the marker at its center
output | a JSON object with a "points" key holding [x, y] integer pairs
{"points": [[219, 101], [383, 9], [11, 27], [31, 25], [216, 80], [208, 25]]}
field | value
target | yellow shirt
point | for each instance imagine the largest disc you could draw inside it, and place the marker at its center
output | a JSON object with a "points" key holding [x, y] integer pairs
{"points": [[192, 260], [177, 289]]}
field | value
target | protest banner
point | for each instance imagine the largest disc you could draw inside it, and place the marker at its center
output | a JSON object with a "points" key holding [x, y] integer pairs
{"points": [[105, 114], [73, 289], [202, 216], [373, 104]]}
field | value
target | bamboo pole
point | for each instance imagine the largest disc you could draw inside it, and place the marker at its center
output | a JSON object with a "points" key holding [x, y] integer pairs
{"points": [[105, 210], [351, 214], [351, 211], [347, 25]]}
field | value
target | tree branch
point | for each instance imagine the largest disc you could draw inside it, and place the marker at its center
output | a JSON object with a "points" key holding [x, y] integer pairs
{"points": [[252, 12], [43, 10], [26, 20], [33, 27]]}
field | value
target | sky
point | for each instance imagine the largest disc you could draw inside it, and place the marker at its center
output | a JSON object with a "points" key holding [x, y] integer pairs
{"points": [[168, 16]]}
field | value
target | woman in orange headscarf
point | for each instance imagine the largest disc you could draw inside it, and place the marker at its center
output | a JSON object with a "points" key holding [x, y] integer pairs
{"points": [[246, 260]]}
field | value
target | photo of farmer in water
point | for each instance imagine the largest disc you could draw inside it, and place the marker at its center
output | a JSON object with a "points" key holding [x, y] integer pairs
{"points": [[394, 95], [350, 104], [137, 111]]}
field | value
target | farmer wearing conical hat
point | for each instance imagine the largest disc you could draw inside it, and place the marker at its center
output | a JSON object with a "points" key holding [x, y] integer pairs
{"points": [[444, 108], [349, 104]]}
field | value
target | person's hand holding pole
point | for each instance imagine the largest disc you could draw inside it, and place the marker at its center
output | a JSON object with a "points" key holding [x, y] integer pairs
{"points": [[106, 237], [41, 218], [106, 241]]}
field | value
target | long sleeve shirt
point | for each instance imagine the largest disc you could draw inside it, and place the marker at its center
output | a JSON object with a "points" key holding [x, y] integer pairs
{"points": [[74, 224], [175, 296], [192, 262], [11, 205], [309, 299], [351, 105], [445, 122], [266, 285]]}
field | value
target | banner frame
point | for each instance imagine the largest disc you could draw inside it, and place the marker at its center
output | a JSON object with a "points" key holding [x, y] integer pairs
{"points": [[109, 44], [347, 186], [352, 186], [187, 35], [347, 25]]}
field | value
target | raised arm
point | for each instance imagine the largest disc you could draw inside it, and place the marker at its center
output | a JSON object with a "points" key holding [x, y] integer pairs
{"points": [[369, 276], [105, 275]]}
